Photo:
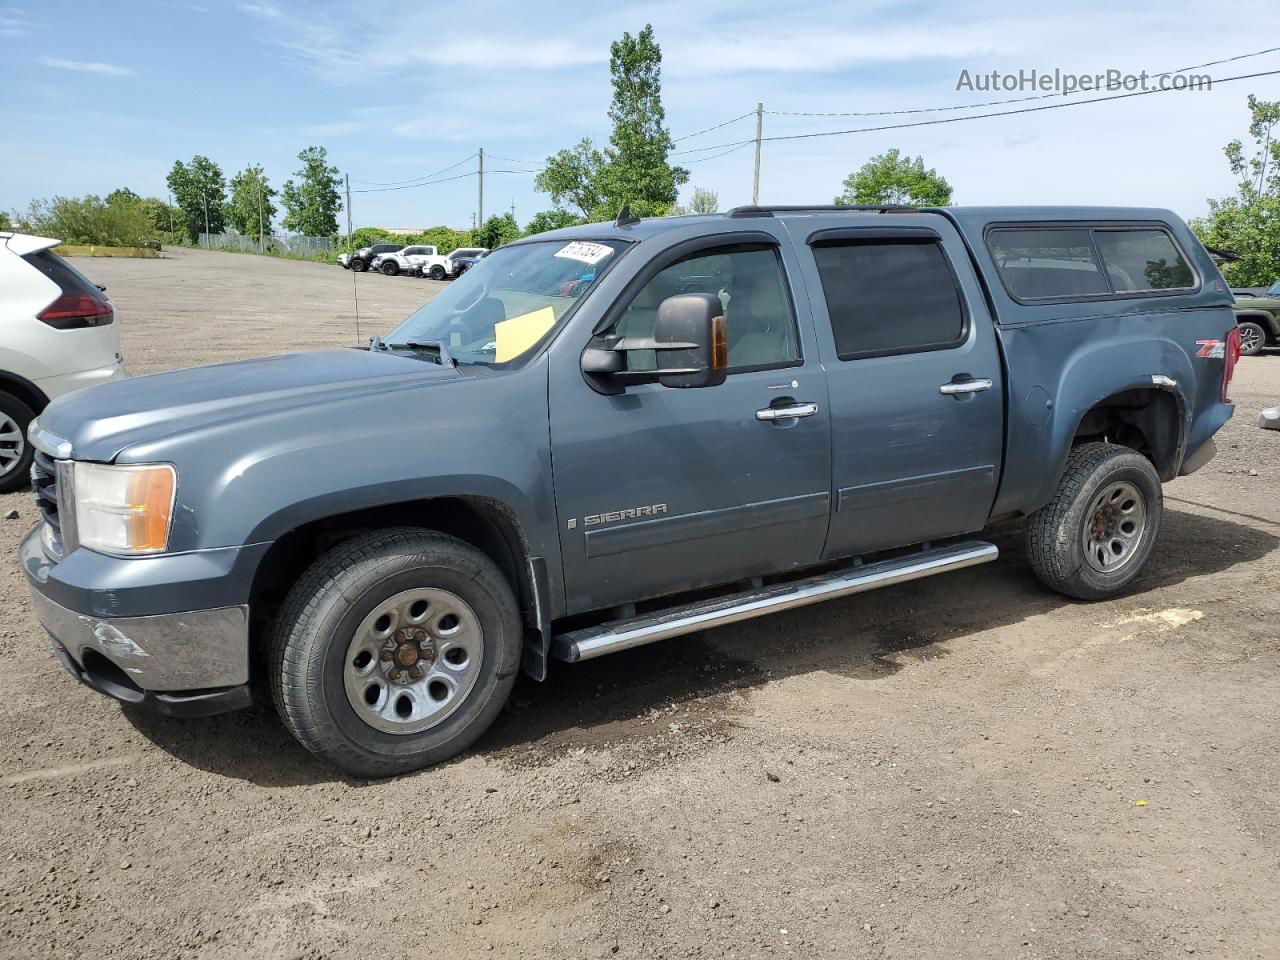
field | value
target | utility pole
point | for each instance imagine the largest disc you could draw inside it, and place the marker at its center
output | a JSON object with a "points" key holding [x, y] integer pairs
{"points": [[170, 195], [347, 177], [755, 180], [480, 204], [513, 209], [208, 240], [259, 213]]}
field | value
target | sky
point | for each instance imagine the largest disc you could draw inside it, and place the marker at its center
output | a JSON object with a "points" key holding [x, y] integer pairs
{"points": [[109, 93]]}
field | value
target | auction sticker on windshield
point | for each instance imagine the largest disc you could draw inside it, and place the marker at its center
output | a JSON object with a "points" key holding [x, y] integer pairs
{"points": [[584, 250]]}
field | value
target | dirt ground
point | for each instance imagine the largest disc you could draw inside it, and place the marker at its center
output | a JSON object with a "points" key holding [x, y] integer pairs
{"points": [[964, 767]]}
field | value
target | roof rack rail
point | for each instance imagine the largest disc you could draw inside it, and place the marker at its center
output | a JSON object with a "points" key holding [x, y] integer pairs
{"points": [[754, 211]]}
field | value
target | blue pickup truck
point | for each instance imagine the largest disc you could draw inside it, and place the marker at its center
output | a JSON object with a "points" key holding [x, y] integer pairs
{"points": [[621, 433]]}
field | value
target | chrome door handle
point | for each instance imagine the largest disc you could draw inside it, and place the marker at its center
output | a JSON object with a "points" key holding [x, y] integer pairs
{"points": [[793, 411], [965, 386]]}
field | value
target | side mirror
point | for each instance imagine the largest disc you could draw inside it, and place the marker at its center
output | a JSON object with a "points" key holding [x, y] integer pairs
{"points": [[695, 321], [689, 341]]}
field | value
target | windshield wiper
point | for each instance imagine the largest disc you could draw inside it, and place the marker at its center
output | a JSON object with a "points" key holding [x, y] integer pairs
{"points": [[443, 357], [376, 344]]}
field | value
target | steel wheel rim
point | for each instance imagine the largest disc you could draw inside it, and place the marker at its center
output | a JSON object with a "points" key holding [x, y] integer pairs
{"points": [[1250, 339], [1113, 526], [413, 660], [12, 444]]}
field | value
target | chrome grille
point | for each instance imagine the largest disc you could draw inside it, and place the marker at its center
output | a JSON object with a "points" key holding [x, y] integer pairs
{"points": [[44, 481]]}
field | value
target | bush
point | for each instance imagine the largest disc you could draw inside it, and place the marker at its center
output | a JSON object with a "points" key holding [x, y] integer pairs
{"points": [[90, 220]]}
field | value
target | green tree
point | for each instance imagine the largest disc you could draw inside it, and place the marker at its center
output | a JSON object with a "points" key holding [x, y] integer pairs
{"points": [[551, 220], [251, 210], [496, 231], [201, 193], [123, 195], [1248, 223], [166, 222], [5, 222], [634, 169], [894, 179], [311, 207], [702, 201], [574, 177]]}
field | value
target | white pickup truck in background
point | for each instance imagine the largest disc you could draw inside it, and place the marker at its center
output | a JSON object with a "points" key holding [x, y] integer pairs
{"points": [[424, 261]]}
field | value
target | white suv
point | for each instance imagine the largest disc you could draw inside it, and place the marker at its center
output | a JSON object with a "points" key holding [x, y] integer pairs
{"points": [[57, 334]]}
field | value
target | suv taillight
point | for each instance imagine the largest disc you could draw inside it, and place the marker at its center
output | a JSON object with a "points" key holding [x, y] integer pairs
{"points": [[75, 311], [1230, 354]]}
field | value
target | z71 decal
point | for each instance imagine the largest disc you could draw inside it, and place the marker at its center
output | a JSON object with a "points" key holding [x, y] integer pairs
{"points": [[1213, 349]]}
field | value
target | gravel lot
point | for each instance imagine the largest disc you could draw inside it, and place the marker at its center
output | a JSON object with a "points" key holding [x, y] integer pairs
{"points": [[966, 767]]}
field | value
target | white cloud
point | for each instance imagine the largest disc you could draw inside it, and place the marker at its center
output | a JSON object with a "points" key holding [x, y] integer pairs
{"points": [[264, 11], [87, 66], [13, 22]]}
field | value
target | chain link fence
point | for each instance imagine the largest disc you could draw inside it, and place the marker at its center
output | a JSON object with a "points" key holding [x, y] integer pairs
{"points": [[301, 246]]}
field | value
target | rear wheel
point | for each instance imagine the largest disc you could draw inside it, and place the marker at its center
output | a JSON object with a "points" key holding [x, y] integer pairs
{"points": [[1093, 538], [15, 451], [1252, 338], [437, 272], [394, 651], [358, 265]]}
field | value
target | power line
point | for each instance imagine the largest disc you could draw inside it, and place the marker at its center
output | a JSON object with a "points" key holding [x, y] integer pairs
{"points": [[689, 136], [410, 186], [494, 156], [715, 156], [996, 103], [425, 176], [983, 116]]}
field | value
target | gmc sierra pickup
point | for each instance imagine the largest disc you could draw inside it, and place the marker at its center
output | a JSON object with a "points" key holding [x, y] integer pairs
{"points": [[621, 433]]}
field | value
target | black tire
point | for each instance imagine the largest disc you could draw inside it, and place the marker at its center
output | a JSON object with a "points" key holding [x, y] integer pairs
{"points": [[329, 603], [1253, 337], [437, 272], [1058, 533], [390, 268], [358, 265], [15, 417]]}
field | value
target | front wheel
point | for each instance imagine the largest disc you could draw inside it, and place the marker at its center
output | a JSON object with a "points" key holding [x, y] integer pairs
{"points": [[1094, 537], [437, 272], [358, 265], [394, 651], [390, 268]]}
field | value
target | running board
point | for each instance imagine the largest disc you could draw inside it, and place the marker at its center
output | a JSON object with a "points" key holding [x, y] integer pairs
{"points": [[618, 635]]}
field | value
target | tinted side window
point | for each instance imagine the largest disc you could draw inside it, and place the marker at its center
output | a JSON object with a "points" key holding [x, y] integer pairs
{"points": [[889, 296], [749, 281], [1039, 264], [1139, 261]]}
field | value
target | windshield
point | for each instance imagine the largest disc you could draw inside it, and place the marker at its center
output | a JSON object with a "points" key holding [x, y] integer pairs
{"points": [[1274, 289], [506, 305]]}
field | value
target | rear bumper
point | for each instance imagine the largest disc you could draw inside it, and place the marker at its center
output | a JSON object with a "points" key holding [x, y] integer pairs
{"points": [[55, 387]]}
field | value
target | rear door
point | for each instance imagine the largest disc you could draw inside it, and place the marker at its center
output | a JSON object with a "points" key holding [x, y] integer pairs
{"points": [[914, 378]]}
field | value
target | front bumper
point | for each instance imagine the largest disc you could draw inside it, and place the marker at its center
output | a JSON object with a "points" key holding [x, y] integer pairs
{"points": [[190, 662]]}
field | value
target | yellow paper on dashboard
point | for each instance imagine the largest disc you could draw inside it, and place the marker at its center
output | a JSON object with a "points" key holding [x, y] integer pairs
{"points": [[518, 334]]}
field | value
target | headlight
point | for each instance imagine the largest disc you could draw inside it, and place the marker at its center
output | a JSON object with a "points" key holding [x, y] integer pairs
{"points": [[124, 509]]}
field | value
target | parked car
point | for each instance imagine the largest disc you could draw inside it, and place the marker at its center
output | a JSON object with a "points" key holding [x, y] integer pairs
{"points": [[58, 333], [1259, 320], [734, 416], [362, 258], [458, 262]]}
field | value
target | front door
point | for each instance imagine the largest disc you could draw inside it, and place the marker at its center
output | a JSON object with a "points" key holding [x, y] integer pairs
{"points": [[660, 489], [914, 376]]}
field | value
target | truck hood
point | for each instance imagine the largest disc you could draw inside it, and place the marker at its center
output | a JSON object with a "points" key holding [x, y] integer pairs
{"points": [[103, 421]]}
